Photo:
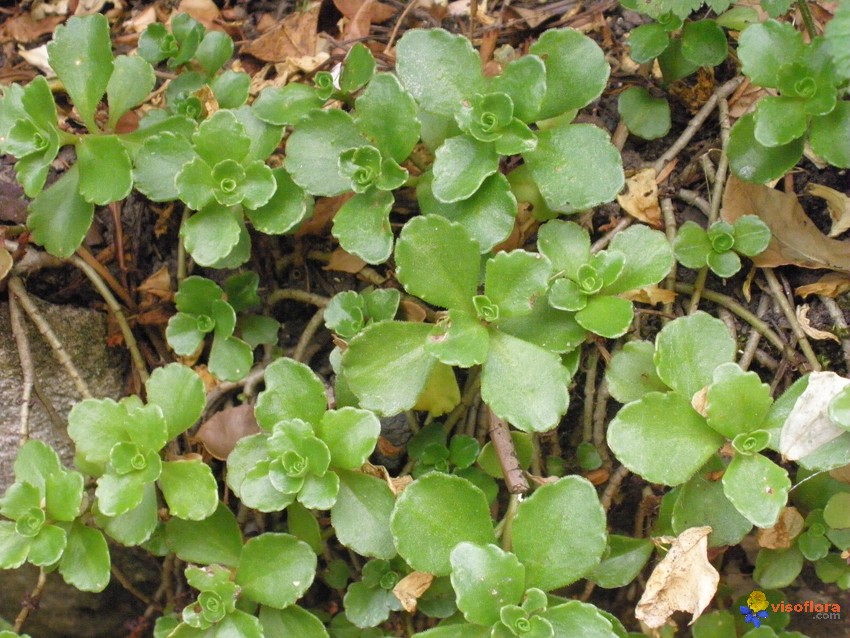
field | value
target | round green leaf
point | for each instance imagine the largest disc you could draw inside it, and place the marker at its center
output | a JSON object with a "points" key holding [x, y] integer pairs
{"points": [[753, 161], [179, 393], [35, 462], [313, 149], [623, 561], [275, 569], [214, 50], [285, 106], [829, 135], [737, 401], [81, 55], [646, 116], [157, 163], [59, 216], [438, 262], [189, 488], [362, 225], [289, 206], [13, 547], [757, 487], [210, 234], [532, 403], [292, 621], [609, 317], [131, 81], [137, 525], [425, 524], [488, 216], [524, 81], [461, 165], [358, 69], [701, 502], [764, 48], [516, 280], [85, 562], [215, 539], [63, 495], [47, 546], [836, 514], [386, 114], [387, 365], [647, 42], [777, 568], [688, 350], [361, 515], [230, 358], [350, 434], [780, 120], [704, 43], [568, 510], [293, 391], [631, 372], [643, 429], [485, 579], [752, 235], [570, 85], [576, 166], [439, 69], [648, 259], [581, 620], [459, 340]]}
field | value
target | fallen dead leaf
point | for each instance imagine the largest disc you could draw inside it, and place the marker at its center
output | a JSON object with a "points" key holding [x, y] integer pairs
{"points": [[830, 285], [786, 529], [23, 29], [222, 430], [293, 37], [204, 11], [684, 580], [796, 240], [342, 261], [808, 426], [5, 263], [158, 285], [838, 205], [37, 57], [809, 329], [841, 474], [699, 402], [323, 214], [396, 485], [379, 12], [652, 295], [412, 311], [641, 197], [141, 20], [410, 588]]}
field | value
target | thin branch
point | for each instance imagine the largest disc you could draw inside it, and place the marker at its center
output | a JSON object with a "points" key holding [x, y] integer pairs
{"points": [[791, 316], [28, 374], [503, 444], [303, 296], [725, 90], [115, 307], [310, 330], [603, 241], [16, 287], [841, 323], [722, 163], [31, 601], [589, 392], [669, 215]]}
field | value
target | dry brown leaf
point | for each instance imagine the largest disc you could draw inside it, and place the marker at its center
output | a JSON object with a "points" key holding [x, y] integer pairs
{"points": [[809, 329], [23, 29], [158, 284], [5, 263], [204, 11], [786, 529], [396, 485], [841, 473], [837, 203], [343, 261], [412, 311], [293, 37], [410, 588], [641, 197], [796, 240], [684, 580], [379, 12], [652, 295], [141, 20], [830, 285], [699, 402], [222, 430], [323, 214]]}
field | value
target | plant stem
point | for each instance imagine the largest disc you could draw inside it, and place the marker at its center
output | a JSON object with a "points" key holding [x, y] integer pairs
{"points": [[788, 311], [670, 230], [507, 523], [500, 435], [589, 393], [699, 284], [296, 295], [803, 6], [30, 601]]}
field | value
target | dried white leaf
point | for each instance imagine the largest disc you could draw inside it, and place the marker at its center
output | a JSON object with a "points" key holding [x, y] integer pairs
{"points": [[837, 203], [37, 57], [808, 426], [809, 329], [683, 581]]}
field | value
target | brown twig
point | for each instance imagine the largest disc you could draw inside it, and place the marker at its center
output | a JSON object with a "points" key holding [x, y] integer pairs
{"points": [[503, 444], [16, 287], [841, 323], [106, 276], [791, 316], [603, 241], [669, 215], [723, 91], [27, 370], [282, 294], [31, 601], [310, 330]]}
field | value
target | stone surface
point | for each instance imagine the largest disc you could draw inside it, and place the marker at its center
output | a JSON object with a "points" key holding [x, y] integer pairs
{"points": [[64, 612]]}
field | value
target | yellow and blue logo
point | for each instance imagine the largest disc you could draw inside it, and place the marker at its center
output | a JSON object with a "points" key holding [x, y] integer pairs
{"points": [[756, 608]]}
